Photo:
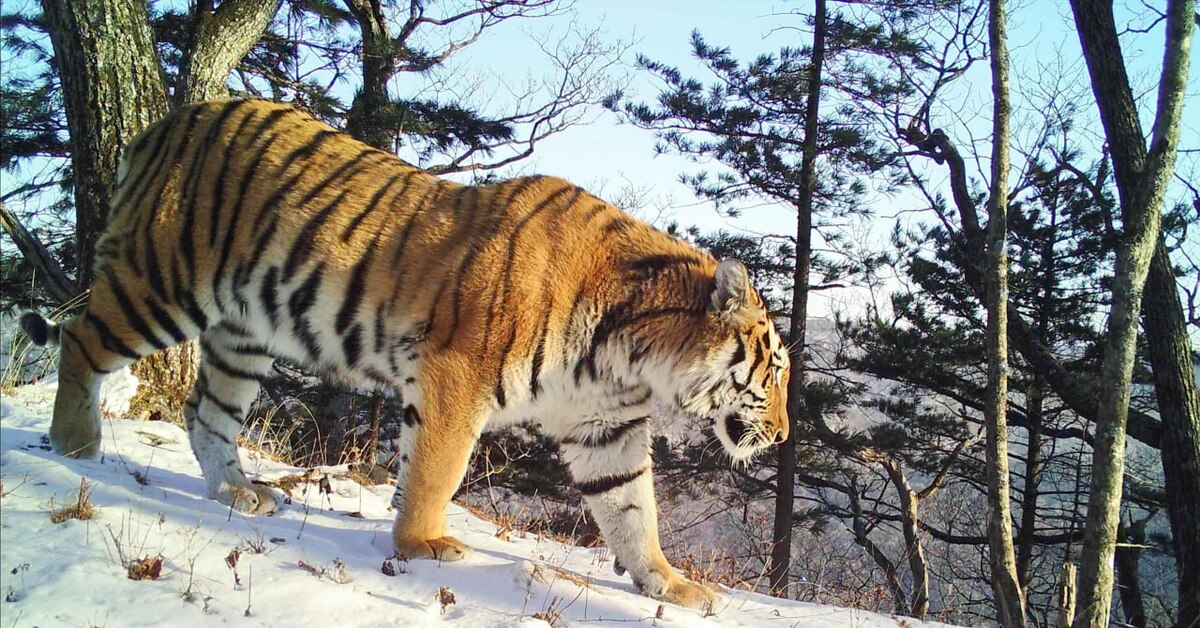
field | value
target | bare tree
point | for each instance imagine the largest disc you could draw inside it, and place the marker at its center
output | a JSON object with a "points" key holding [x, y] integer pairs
{"points": [[1141, 177], [1010, 600]]}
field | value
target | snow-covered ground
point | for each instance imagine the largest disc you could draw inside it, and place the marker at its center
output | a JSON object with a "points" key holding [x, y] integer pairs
{"points": [[318, 562]]}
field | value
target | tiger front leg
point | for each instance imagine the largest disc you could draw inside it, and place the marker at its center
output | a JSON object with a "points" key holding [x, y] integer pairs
{"points": [[230, 375], [617, 483], [443, 430]]}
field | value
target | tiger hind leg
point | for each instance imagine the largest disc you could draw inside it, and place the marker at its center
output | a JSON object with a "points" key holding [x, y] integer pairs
{"points": [[232, 366], [114, 330]]}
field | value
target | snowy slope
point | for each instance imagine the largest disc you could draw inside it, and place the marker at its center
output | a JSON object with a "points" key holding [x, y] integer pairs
{"points": [[317, 563]]}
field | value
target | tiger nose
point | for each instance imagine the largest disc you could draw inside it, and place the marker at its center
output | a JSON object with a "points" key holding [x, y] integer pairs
{"points": [[779, 436]]}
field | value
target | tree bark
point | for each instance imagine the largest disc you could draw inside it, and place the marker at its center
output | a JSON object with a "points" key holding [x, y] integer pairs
{"points": [[221, 38], [1179, 406], [914, 550], [1035, 394], [368, 116], [1141, 178], [1010, 600], [112, 89], [1066, 596], [781, 537], [1128, 555], [53, 278]]}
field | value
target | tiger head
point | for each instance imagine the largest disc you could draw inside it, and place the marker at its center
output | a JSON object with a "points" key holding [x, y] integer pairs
{"points": [[738, 379]]}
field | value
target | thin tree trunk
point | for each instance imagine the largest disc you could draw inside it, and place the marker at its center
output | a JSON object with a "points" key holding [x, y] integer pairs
{"points": [[1035, 394], [1141, 178], [1179, 406], [1129, 584], [781, 537], [914, 550], [890, 573], [1066, 593], [1010, 600], [52, 277]]}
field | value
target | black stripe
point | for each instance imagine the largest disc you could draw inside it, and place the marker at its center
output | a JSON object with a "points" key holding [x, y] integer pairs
{"points": [[653, 264], [617, 225], [740, 354], [192, 309], [195, 175], [306, 295], [185, 139], [218, 195], [286, 188], [269, 294], [186, 237], [370, 205], [154, 272], [539, 354], [132, 316], [235, 211], [609, 482], [613, 321], [480, 236], [213, 358], [261, 247], [499, 295], [251, 350], [110, 340], [354, 292], [352, 345], [299, 303], [165, 321], [225, 406], [86, 356], [306, 240], [608, 436], [379, 329], [411, 416]]}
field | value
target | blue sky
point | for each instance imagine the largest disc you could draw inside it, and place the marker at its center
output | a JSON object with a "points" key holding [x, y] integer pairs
{"points": [[606, 155]]}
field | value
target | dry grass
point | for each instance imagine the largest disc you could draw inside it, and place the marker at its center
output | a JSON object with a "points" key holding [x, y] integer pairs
{"points": [[82, 508]]}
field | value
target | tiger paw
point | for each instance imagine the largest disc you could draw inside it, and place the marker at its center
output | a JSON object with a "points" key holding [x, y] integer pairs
{"points": [[446, 548], [689, 594], [253, 500]]}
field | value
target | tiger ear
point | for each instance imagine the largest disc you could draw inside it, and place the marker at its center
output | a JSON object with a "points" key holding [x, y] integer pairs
{"points": [[732, 287]]}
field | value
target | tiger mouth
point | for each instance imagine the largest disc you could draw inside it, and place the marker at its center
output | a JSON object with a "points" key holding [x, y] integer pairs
{"points": [[736, 428]]}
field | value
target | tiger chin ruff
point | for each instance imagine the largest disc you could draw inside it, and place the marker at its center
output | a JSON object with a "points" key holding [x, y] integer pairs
{"points": [[266, 234]]}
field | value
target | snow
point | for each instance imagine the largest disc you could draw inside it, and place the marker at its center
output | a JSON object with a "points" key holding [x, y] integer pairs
{"points": [[318, 561]]}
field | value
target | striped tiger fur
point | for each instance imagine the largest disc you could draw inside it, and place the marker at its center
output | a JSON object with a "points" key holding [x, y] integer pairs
{"points": [[266, 233]]}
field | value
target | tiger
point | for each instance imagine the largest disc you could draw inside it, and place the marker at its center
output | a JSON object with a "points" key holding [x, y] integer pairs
{"points": [[266, 233]]}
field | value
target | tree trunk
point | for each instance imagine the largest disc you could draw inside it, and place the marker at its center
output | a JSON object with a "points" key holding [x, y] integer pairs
{"points": [[1179, 406], [112, 89], [368, 117], [220, 39], [914, 550], [1141, 178], [1066, 596], [1035, 394], [56, 281], [1129, 585], [1010, 600], [781, 537]]}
